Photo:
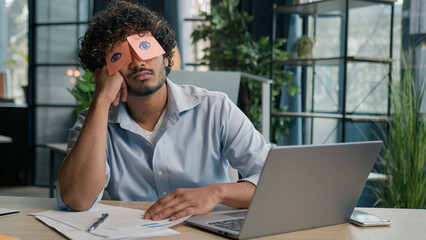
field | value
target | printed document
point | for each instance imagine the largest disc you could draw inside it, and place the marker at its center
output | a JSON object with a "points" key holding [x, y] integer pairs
{"points": [[122, 223]]}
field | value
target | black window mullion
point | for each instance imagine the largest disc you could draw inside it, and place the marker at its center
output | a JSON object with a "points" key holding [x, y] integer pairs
{"points": [[52, 106]]}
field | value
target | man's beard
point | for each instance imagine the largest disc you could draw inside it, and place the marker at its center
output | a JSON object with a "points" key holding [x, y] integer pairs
{"points": [[148, 90]]}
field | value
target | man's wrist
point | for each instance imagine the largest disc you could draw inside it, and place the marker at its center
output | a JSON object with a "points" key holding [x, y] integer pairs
{"points": [[100, 100], [218, 192]]}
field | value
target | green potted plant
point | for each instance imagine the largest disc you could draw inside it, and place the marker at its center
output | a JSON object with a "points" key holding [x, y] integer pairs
{"points": [[303, 47], [83, 91], [404, 161]]}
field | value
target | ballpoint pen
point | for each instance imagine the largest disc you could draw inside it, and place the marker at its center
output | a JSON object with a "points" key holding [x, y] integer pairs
{"points": [[98, 222]]}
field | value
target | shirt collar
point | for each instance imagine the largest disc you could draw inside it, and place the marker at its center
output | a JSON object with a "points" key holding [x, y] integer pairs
{"points": [[178, 99], [178, 102]]}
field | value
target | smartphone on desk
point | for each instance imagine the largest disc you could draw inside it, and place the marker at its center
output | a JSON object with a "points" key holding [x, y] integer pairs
{"points": [[364, 219]]}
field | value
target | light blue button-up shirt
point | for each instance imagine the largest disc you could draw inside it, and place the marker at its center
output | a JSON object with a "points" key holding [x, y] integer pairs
{"points": [[201, 134]]}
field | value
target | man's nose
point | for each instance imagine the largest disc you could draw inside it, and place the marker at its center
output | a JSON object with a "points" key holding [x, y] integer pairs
{"points": [[136, 61]]}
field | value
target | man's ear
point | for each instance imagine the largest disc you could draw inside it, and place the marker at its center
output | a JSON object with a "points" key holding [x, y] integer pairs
{"points": [[165, 60]]}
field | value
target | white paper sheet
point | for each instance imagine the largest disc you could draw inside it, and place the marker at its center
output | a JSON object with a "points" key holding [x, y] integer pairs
{"points": [[122, 223], [7, 211]]}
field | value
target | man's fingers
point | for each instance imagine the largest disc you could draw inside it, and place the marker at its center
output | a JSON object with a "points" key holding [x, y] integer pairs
{"points": [[124, 91], [185, 212], [182, 202], [116, 99], [166, 203], [172, 210], [100, 73], [158, 205], [169, 205], [110, 87]]}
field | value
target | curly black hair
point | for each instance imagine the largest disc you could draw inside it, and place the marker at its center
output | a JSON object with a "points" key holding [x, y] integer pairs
{"points": [[118, 21]]}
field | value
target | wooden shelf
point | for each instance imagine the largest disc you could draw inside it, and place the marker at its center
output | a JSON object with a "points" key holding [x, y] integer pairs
{"points": [[349, 117], [13, 105], [307, 115], [327, 6], [331, 61], [195, 19], [366, 118]]}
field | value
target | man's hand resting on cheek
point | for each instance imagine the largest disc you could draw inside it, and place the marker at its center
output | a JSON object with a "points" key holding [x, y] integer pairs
{"points": [[111, 88]]}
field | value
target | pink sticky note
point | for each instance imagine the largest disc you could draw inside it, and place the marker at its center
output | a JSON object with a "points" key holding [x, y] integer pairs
{"points": [[146, 47], [119, 57]]}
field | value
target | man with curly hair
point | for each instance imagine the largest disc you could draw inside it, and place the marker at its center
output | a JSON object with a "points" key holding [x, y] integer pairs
{"points": [[144, 138]]}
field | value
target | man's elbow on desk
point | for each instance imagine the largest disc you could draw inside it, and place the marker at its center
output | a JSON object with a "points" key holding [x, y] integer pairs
{"points": [[76, 201]]}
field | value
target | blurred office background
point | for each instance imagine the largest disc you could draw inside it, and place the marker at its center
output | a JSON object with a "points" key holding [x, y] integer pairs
{"points": [[39, 42]]}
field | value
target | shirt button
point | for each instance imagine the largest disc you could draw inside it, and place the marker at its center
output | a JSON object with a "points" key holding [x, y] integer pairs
{"points": [[164, 193], [160, 173], [148, 143]]}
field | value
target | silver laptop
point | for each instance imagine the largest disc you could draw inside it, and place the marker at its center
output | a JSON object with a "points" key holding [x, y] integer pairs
{"points": [[300, 187]]}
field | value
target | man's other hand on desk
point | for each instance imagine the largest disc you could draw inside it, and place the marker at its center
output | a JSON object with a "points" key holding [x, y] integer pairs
{"points": [[184, 202], [198, 201]]}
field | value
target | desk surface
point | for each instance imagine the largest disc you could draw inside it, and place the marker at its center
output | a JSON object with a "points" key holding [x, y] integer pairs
{"points": [[406, 223], [58, 147], [4, 139]]}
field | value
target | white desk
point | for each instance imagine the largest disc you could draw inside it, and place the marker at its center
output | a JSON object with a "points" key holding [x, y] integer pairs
{"points": [[406, 224], [4, 139]]}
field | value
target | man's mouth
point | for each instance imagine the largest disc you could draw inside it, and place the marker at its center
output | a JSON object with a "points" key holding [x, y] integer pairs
{"points": [[141, 74]]}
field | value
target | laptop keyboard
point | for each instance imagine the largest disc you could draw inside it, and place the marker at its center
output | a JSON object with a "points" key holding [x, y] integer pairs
{"points": [[232, 224]]}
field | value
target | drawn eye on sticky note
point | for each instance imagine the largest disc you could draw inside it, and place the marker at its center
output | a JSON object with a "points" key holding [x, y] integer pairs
{"points": [[115, 57], [146, 46], [118, 58]]}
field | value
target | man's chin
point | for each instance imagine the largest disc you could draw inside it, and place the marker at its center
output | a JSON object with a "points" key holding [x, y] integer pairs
{"points": [[140, 93], [147, 91]]}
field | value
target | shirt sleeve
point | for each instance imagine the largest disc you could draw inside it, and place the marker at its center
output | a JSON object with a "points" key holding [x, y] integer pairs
{"points": [[72, 138], [243, 146]]}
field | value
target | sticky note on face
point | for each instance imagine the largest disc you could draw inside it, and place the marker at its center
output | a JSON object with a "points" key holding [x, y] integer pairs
{"points": [[145, 46], [119, 57]]}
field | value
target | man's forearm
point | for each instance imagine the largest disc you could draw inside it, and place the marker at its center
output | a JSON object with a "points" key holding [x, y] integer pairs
{"points": [[237, 195], [82, 175]]}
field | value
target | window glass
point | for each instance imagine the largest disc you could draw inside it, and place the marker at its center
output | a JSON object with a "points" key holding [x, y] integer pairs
{"points": [[81, 31], [296, 134], [367, 88], [326, 89], [59, 25], [56, 44], [13, 50], [52, 124], [326, 131], [49, 11], [53, 82], [193, 57], [314, 131], [369, 31], [327, 38], [191, 54], [421, 70], [363, 131], [84, 11]]}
